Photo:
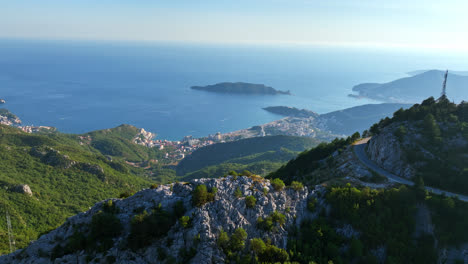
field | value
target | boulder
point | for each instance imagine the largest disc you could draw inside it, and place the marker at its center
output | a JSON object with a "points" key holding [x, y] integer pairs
{"points": [[23, 188]]}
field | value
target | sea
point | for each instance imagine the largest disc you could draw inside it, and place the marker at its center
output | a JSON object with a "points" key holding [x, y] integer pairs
{"points": [[81, 86]]}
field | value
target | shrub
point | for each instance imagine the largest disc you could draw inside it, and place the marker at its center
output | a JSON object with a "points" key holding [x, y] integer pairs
{"points": [[201, 195], [109, 207], [223, 240], [247, 173], [278, 184], [269, 222], [154, 186], [104, 227], [297, 186], [185, 221], [126, 194], [278, 218], [237, 241], [146, 227], [257, 246], [250, 201], [267, 253], [233, 173], [311, 203], [238, 193], [273, 254], [400, 133]]}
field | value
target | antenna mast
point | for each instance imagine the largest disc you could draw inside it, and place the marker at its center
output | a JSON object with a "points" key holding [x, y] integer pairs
{"points": [[11, 239], [444, 85]]}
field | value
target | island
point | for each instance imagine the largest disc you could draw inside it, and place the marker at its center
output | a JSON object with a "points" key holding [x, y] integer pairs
{"points": [[2, 101], [290, 111], [240, 88]]}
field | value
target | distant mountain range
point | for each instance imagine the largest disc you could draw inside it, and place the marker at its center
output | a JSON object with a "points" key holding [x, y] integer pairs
{"points": [[413, 89]]}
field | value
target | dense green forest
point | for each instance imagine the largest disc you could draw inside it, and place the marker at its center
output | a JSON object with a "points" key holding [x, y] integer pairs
{"points": [[65, 178]]}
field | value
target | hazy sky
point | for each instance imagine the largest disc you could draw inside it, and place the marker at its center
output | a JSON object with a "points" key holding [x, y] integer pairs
{"points": [[414, 23]]}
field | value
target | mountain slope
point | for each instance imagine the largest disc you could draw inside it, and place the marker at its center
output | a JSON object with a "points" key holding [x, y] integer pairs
{"points": [[170, 237], [274, 149], [65, 178], [427, 141]]}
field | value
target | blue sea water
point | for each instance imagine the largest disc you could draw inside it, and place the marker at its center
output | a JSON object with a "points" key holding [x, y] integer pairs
{"points": [[84, 86]]}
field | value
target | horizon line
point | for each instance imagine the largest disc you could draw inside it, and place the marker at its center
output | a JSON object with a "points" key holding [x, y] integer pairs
{"points": [[322, 44]]}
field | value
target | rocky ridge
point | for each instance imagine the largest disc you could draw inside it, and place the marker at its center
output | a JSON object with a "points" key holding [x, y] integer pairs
{"points": [[226, 213]]}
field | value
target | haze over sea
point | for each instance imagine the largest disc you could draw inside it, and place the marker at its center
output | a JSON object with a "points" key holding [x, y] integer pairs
{"points": [[84, 86]]}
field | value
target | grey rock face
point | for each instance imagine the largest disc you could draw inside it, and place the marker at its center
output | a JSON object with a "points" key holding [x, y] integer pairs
{"points": [[226, 213], [385, 150]]}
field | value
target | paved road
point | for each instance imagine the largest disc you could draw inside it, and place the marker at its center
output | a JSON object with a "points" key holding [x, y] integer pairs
{"points": [[362, 156]]}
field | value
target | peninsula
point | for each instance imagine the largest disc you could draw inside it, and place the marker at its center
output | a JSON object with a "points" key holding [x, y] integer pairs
{"points": [[240, 88], [290, 111]]}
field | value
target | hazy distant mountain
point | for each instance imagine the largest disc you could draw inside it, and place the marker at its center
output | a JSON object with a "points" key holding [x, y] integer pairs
{"points": [[413, 73], [358, 118], [415, 88]]}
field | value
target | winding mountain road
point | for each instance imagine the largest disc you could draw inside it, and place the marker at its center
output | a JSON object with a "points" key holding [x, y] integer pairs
{"points": [[359, 150]]}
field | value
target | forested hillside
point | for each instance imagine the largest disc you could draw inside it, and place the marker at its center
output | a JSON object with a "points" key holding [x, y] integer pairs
{"points": [[65, 178], [259, 155]]}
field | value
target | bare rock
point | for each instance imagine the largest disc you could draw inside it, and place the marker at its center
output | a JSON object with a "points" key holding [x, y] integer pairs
{"points": [[23, 188]]}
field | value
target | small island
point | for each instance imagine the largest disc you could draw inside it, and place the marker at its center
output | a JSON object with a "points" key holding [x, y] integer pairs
{"points": [[290, 111], [240, 88], [2, 101]]}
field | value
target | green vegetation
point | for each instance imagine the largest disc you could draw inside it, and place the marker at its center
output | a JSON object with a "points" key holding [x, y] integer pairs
{"points": [[277, 184], [65, 177], [201, 195], [258, 155], [238, 193], [389, 221], [311, 203], [297, 186], [146, 227], [267, 253], [185, 221], [271, 222], [306, 162], [443, 127], [250, 201], [97, 236], [7, 114], [447, 217], [232, 244]]}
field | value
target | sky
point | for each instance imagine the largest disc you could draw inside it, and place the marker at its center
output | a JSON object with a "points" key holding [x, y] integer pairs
{"points": [[431, 24]]}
